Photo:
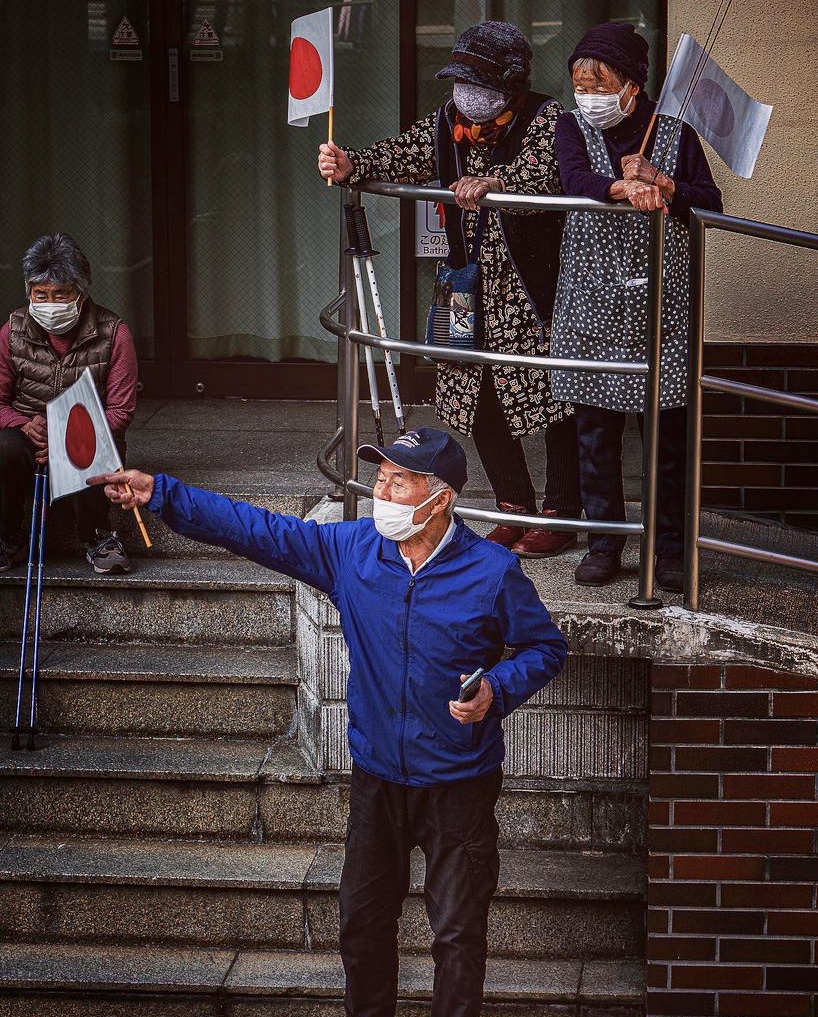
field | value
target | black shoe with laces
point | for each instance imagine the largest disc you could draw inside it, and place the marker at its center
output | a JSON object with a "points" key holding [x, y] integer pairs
{"points": [[10, 553], [598, 568], [108, 554], [670, 573]]}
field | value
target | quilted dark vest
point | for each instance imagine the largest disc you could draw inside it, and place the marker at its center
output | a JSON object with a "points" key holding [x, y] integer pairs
{"points": [[533, 240], [40, 374]]}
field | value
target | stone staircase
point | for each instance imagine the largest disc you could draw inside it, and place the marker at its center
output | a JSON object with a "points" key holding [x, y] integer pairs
{"points": [[174, 845]]}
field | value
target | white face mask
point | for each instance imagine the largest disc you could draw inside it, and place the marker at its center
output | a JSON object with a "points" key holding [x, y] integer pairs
{"points": [[394, 521], [477, 103], [56, 318], [603, 111]]}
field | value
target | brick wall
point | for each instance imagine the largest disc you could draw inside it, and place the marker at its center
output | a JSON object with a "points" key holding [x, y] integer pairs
{"points": [[732, 925], [760, 458]]}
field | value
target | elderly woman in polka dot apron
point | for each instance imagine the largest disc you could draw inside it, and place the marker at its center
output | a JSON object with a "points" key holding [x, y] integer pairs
{"points": [[494, 135], [600, 311]]}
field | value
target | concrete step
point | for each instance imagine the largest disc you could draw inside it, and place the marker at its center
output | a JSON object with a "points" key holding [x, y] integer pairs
{"points": [[264, 791], [168, 689], [298, 984], [548, 904], [187, 600]]}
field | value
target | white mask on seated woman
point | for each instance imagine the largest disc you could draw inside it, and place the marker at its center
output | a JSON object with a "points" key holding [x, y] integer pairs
{"points": [[603, 110], [477, 103]]}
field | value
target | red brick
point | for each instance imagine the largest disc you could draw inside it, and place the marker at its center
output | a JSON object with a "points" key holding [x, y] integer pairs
{"points": [[741, 474], [723, 497], [724, 355], [777, 354], [793, 979], [787, 499], [684, 785], [716, 403], [793, 870], [693, 948], [746, 676], [716, 976], [685, 839], [686, 676], [792, 923], [794, 814], [795, 704], [770, 732], [748, 923], [658, 920], [768, 785], [766, 895], [755, 842], [658, 814], [661, 703], [681, 732], [681, 1004], [656, 976], [717, 867], [787, 760], [720, 814], [764, 378], [686, 895], [742, 427], [766, 950], [717, 759], [658, 867], [799, 476], [802, 381], [722, 704], [780, 452], [763, 1004], [660, 757], [803, 428], [715, 451]]}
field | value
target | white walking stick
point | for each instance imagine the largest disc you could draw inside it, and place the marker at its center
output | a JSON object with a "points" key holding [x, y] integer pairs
{"points": [[359, 289]]}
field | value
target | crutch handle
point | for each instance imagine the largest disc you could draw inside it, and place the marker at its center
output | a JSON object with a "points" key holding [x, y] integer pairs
{"points": [[362, 238]]}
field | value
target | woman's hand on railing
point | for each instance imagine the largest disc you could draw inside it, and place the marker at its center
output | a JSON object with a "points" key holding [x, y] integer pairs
{"points": [[333, 163], [469, 190], [637, 167], [645, 197]]}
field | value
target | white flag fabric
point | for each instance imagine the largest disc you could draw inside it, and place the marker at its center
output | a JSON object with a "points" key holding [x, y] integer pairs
{"points": [[716, 108], [80, 443], [311, 67]]}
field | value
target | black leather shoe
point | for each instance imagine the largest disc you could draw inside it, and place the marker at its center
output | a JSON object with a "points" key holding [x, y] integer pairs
{"points": [[598, 568], [670, 574]]}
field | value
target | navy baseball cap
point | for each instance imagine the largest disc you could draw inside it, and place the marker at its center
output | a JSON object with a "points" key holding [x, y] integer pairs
{"points": [[425, 450]]}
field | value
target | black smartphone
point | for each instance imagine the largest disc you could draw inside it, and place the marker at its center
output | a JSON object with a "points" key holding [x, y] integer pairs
{"points": [[469, 688]]}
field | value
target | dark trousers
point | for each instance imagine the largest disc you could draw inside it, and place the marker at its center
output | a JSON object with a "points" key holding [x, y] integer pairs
{"points": [[455, 827], [89, 508], [599, 432], [503, 458]]}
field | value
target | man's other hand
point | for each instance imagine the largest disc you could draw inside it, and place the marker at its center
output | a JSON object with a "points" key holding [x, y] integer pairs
{"points": [[36, 430], [117, 484], [476, 709]]}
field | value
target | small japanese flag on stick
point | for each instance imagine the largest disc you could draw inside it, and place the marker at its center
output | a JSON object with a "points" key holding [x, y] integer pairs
{"points": [[312, 70], [80, 443]]}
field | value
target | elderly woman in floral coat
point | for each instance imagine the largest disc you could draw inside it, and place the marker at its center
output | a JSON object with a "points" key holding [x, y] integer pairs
{"points": [[494, 135]]}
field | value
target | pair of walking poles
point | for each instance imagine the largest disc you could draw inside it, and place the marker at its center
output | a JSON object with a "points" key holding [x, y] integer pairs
{"points": [[36, 543], [360, 247]]}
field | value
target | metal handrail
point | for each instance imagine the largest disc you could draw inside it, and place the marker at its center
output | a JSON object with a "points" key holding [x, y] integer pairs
{"points": [[698, 382], [349, 381]]}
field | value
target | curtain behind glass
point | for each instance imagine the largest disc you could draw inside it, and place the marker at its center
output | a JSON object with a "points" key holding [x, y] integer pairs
{"points": [[76, 150], [263, 228]]}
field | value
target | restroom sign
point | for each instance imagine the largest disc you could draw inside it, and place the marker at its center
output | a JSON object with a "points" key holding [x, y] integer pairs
{"points": [[430, 231]]}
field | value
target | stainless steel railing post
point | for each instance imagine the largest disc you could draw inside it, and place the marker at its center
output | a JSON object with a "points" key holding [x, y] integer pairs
{"points": [[338, 491], [348, 376], [693, 480], [645, 598]]}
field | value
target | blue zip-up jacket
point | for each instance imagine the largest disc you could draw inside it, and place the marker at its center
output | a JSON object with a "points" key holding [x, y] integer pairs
{"points": [[410, 637]]}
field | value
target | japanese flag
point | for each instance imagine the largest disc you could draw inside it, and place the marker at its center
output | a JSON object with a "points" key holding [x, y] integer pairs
{"points": [[80, 443], [311, 67]]}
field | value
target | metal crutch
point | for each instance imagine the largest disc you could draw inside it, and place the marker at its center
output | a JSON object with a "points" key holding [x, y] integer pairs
{"points": [[38, 606], [366, 253], [359, 288], [39, 479]]}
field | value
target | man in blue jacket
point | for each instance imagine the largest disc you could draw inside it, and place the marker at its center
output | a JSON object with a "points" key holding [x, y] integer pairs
{"points": [[423, 603]]}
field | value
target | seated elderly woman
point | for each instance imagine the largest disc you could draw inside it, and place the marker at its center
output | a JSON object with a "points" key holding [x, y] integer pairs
{"points": [[601, 306], [44, 347]]}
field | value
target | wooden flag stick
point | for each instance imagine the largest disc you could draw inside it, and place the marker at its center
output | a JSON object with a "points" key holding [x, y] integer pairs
{"points": [[137, 514], [647, 135], [329, 135]]}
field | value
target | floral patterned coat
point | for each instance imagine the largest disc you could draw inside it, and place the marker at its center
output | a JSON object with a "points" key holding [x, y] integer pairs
{"points": [[510, 321]]}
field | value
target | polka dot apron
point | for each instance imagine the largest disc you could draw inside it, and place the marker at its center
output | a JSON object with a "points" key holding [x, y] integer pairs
{"points": [[601, 308]]}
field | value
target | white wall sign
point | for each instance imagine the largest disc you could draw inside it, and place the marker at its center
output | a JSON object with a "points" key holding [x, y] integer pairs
{"points": [[430, 234]]}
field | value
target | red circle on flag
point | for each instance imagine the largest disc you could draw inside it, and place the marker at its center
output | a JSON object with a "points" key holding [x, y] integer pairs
{"points": [[713, 106], [80, 437], [306, 70]]}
